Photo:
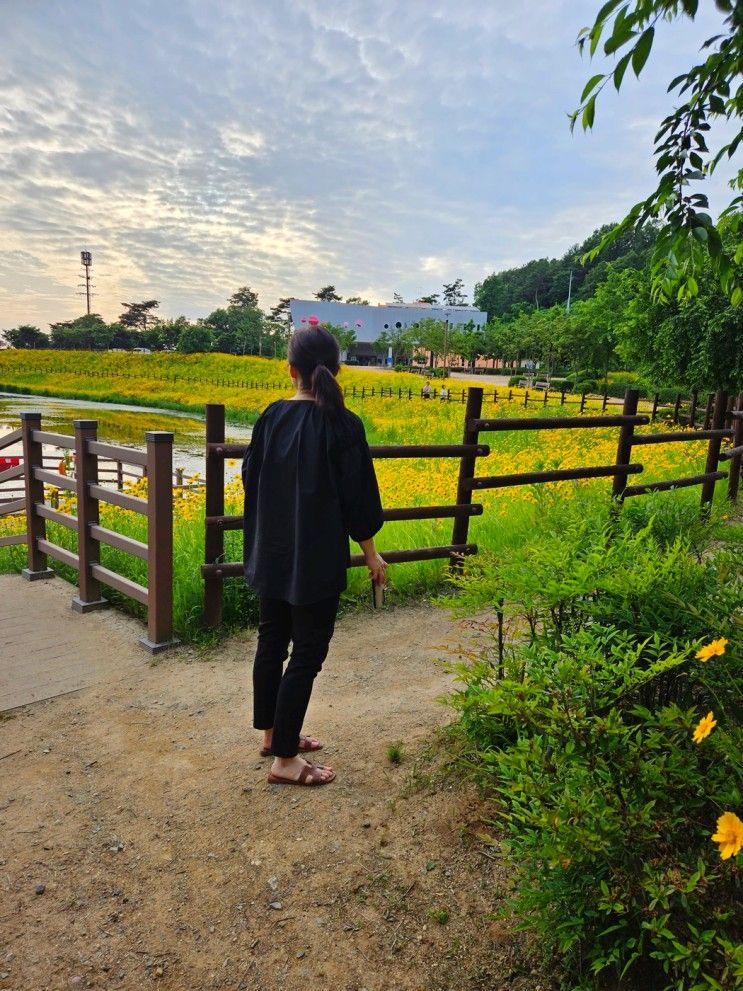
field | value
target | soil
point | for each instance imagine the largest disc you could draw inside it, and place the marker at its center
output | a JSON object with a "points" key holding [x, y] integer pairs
{"points": [[141, 844]]}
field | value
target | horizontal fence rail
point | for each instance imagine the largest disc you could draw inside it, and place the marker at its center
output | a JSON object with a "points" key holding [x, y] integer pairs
{"points": [[157, 552]]}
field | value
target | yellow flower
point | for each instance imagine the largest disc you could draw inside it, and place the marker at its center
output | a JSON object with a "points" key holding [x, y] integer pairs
{"points": [[714, 649], [704, 728], [231, 462], [729, 835]]}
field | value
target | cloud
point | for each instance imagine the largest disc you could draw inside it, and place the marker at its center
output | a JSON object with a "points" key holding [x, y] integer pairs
{"points": [[381, 145]]}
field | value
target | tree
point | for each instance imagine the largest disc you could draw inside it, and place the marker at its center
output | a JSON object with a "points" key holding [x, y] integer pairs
{"points": [[430, 335], [708, 93], [346, 336], [453, 295], [26, 336], [87, 333], [401, 340], [467, 342], [328, 295], [244, 297], [358, 300], [195, 338], [397, 298], [236, 329], [432, 300], [697, 342], [137, 314], [281, 312]]}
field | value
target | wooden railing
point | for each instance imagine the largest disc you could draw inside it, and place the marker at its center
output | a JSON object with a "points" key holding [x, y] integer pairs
{"points": [[15, 501], [157, 460], [215, 570], [721, 410]]}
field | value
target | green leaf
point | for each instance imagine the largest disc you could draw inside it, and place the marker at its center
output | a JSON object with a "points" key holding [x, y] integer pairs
{"points": [[591, 85], [642, 50], [589, 112], [619, 38], [620, 69], [608, 8], [737, 296], [700, 233]]}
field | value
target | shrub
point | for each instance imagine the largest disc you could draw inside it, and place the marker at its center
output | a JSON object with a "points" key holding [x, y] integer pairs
{"points": [[586, 385], [581, 731]]}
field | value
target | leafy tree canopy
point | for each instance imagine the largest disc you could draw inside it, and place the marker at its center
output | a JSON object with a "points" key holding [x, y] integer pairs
{"points": [[454, 293], [138, 314], [328, 294], [708, 93], [244, 297], [26, 336]]}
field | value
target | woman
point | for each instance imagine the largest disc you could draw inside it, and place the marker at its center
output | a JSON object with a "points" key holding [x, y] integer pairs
{"points": [[309, 485]]}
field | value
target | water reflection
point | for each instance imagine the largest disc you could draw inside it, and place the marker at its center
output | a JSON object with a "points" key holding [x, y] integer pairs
{"points": [[118, 424]]}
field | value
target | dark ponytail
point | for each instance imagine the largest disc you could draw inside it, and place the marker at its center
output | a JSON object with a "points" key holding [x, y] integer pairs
{"points": [[315, 354]]}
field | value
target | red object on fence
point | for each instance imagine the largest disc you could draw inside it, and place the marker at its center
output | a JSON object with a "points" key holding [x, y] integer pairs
{"points": [[6, 463]]}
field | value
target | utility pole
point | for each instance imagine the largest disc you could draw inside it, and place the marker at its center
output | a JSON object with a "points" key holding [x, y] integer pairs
{"points": [[570, 290], [86, 260]]}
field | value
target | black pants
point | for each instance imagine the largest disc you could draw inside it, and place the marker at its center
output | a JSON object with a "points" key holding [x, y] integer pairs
{"points": [[280, 698]]}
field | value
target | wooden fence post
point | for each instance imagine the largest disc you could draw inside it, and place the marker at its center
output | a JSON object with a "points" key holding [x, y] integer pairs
{"points": [[582, 401], [624, 447], [460, 530], [708, 410], [676, 407], [214, 537], [693, 408], [35, 524], [159, 542], [655, 407], [88, 548], [713, 448], [736, 462]]}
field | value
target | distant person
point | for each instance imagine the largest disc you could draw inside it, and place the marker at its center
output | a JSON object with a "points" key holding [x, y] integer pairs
{"points": [[444, 395], [309, 484], [427, 390]]}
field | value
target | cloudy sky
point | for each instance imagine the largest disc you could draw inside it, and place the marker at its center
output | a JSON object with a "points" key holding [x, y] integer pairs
{"points": [[380, 145]]}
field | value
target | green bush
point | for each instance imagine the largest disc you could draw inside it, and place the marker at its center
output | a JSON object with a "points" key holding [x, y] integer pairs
{"points": [[586, 385], [579, 726]]}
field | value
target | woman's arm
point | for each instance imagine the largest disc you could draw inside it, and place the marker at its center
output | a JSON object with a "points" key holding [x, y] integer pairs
{"points": [[375, 563]]}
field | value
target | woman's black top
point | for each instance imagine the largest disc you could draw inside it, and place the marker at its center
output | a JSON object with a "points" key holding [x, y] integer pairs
{"points": [[309, 485]]}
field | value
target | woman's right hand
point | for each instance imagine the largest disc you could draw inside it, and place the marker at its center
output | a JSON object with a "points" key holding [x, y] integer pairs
{"points": [[377, 568]]}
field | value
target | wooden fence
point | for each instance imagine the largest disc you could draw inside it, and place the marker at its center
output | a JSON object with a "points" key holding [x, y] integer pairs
{"points": [[157, 460], [216, 570], [680, 410]]}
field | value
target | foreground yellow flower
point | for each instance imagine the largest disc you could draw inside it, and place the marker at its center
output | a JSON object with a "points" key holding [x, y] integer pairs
{"points": [[714, 649], [729, 835], [704, 728]]}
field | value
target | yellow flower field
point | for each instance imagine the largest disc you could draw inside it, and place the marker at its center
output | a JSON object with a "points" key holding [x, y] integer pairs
{"points": [[189, 381]]}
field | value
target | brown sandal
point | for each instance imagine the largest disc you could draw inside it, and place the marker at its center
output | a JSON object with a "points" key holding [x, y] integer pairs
{"points": [[308, 776], [304, 747]]}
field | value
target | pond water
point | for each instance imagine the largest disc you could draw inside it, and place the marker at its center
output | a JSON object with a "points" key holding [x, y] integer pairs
{"points": [[118, 424]]}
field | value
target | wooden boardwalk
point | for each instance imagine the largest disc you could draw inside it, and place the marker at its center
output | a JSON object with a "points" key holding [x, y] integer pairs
{"points": [[47, 650]]}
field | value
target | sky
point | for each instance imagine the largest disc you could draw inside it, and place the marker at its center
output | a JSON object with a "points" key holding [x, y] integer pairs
{"points": [[378, 145]]}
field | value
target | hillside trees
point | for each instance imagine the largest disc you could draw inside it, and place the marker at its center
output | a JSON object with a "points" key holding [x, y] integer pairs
{"points": [[542, 283], [26, 336]]}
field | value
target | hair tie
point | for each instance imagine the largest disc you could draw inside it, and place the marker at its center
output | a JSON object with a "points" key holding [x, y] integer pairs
{"points": [[313, 321]]}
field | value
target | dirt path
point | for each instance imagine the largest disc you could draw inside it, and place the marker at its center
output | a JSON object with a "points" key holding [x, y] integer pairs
{"points": [[142, 808]]}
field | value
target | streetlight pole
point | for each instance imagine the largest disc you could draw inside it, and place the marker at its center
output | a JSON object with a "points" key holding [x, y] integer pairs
{"points": [[446, 342]]}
